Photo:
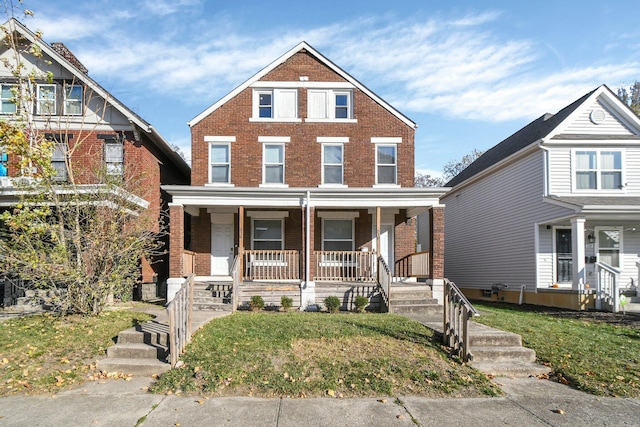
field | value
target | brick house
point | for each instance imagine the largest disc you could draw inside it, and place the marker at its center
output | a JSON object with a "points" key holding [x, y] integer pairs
{"points": [[74, 111], [304, 176]]}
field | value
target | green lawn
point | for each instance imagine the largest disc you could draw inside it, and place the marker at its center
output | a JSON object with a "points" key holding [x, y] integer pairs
{"points": [[46, 353], [596, 353], [320, 354]]}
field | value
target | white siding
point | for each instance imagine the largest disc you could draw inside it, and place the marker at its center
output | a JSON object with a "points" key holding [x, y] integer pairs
{"points": [[560, 171], [612, 125], [489, 226]]}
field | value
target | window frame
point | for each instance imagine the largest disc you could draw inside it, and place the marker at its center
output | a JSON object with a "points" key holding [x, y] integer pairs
{"points": [[597, 170], [40, 100], [386, 165], [277, 113], [211, 164], [68, 88], [8, 101], [618, 250], [325, 164], [117, 167], [352, 239], [60, 157], [331, 106], [253, 233], [266, 165]]}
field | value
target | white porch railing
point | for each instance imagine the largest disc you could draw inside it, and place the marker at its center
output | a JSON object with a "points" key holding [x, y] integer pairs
{"points": [[271, 265], [384, 281], [607, 292], [357, 266], [457, 312], [180, 314]]}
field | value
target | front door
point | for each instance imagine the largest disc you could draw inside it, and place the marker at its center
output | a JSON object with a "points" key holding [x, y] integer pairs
{"points": [[221, 249], [386, 245], [564, 255]]}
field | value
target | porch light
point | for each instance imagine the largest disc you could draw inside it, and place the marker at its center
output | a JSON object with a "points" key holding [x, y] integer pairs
{"points": [[591, 238]]}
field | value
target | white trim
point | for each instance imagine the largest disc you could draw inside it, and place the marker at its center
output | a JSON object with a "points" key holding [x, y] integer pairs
{"points": [[332, 139], [268, 214], [274, 139], [282, 147], [210, 138], [386, 139], [331, 120], [598, 170], [395, 165], [338, 214], [209, 164], [620, 247], [554, 251], [268, 119], [323, 164]]}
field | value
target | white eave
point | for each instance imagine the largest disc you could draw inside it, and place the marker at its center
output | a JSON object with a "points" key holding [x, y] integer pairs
{"points": [[284, 58]]}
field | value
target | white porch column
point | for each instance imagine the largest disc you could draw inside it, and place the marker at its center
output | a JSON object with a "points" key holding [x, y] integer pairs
{"points": [[578, 249]]}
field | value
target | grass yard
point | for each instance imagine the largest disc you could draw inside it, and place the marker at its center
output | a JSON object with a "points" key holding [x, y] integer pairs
{"points": [[595, 352], [46, 353], [319, 354]]}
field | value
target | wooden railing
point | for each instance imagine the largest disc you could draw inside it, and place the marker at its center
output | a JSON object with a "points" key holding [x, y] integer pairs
{"points": [[180, 314], [271, 265], [384, 281], [345, 266], [188, 262], [457, 312], [607, 292], [414, 265], [235, 289]]}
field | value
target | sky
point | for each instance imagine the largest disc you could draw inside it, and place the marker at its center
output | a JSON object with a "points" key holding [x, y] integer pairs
{"points": [[470, 73]]}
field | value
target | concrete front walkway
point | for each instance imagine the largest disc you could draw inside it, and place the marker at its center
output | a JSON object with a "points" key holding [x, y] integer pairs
{"points": [[529, 402]]}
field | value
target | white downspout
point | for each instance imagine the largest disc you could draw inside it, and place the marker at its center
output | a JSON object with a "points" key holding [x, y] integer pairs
{"points": [[545, 166], [307, 255]]}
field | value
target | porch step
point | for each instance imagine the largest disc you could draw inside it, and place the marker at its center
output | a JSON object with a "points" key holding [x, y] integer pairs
{"points": [[511, 354], [414, 299], [137, 351], [427, 310], [138, 367], [212, 296]]}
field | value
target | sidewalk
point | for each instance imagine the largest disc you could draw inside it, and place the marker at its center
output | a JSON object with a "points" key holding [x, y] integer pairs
{"points": [[529, 402]]}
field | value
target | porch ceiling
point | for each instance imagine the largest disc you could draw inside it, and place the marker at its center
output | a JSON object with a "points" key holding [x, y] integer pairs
{"points": [[353, 198]]}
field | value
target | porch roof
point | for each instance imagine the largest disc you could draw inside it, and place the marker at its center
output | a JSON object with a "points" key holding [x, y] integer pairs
{"points": [[341, 197], [600, 206]]}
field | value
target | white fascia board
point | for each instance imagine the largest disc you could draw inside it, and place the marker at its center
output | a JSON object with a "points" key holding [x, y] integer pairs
{"points": [[267, 84], [302, 45]]}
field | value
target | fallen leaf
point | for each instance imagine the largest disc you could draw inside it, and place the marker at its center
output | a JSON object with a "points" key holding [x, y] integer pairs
{"points": [[382, 400], [559, 411], [331, 393]]}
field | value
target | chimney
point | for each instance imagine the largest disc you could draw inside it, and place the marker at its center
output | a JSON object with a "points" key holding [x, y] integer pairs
{"points": [[66, 54]]}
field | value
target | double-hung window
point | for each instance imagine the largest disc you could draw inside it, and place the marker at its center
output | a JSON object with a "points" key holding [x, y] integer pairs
{"points": [[114, 157], [73, 100], [329, 105], [337, 234], [273, 172], [332, 163], [275, 104], [46, 99], [7, 97], [609, 244], [386, 164], [268, 234], [598, 170], [59, 161], [220, 158]]}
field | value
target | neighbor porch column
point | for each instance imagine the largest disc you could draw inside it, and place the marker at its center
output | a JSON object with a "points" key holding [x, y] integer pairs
{"points": [[578, 249], [241, 242], [307, 285], [176, 248], [436, 248]]}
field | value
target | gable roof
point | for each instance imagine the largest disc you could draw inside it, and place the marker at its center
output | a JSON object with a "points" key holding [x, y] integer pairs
{"points": [[158, 140], [302, 46], [544, 127]]}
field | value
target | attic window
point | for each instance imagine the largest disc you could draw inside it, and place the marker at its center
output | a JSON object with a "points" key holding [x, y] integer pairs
{"points": [[597, 116]]}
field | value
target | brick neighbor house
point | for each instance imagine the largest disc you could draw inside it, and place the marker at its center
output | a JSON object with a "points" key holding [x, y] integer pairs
{"points": [[301, 179], [70, 107]]}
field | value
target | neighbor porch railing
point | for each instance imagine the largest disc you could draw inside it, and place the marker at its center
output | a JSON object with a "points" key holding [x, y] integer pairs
{"points": [[457, 314], [188, 262], [271, 265], [607, 287], [356, 266], [384, 281], [414, 265], [235, 287], [180, 314]]}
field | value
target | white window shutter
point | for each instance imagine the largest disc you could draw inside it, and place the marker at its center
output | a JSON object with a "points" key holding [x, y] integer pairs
{"points": [[317, 104], [285, 104]]}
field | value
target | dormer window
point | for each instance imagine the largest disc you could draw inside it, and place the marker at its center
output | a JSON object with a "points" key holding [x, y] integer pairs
{"points": [[275, 105], [73, 100]]}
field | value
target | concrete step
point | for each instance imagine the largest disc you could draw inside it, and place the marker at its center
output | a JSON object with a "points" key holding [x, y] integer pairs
{"points": [[147, 333], [212, 306], [402, 300], [138, 367], [510, 354], [137, 351], [426, 310], [514, 370], [494, 338]]}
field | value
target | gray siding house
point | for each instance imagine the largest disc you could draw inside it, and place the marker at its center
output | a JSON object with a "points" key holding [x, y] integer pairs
{"points": [[551, 215]]}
